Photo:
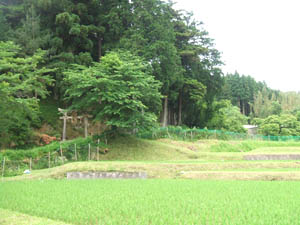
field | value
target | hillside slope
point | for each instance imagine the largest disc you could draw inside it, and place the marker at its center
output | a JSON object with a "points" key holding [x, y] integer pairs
{"points": [[203, 159]]}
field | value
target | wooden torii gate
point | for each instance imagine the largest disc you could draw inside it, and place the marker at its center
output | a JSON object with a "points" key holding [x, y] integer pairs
{"points": [[65, 117]]}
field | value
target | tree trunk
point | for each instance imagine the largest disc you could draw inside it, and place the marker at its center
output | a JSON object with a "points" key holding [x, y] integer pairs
{"points": [[55, 90], [86, 127], [175, 119], [180, 109], [165, 113], [99, 47], [170, 116], [241, 107], [239, 104]]}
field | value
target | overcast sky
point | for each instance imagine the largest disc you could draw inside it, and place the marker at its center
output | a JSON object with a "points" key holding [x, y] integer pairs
{"points": [[260, 38]]}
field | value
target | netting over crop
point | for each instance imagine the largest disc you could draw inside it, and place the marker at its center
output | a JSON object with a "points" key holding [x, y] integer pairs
{"points": [[194, 134], [14, 162]]}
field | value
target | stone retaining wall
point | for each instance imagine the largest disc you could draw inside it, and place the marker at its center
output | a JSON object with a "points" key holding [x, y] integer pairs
{"points": [[106, 175], [272, 157]]}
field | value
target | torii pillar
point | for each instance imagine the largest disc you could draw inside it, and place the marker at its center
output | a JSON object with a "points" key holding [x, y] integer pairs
{"points": [[65, 117], [86, 124]]}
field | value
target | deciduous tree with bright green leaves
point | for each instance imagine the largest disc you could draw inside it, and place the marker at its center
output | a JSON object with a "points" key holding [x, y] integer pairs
{"points": [[227, 117], [22, 81], [279, 125], [119, 91]]}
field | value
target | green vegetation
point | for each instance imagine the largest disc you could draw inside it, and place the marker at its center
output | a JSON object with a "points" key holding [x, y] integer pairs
{"points": [[59, 153], [155, 201], [243, 90], [22, 81], [279, 125], [134, 154], [161, 201], [171, 63], [227, 117], [49, 114], [93, 90], [194, 134], [246, 146], [211, 166], [143, 63], [39, 151], [9, 217], [120, 68], [276, 113]]}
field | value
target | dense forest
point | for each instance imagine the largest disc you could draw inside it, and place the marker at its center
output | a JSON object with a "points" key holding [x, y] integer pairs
{"points": [[128, 64]]}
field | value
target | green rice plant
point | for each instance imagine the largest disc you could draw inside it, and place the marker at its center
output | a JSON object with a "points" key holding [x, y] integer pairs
{"points": [[155, 201]]}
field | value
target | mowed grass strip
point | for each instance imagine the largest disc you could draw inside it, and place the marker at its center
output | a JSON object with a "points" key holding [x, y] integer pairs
{"points": [[14, 218], [155, 201], [243, 175], [250, 145], [167, 169], [276, 150]]}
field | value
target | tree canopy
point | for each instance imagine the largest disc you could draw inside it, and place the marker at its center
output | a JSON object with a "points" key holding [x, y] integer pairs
{"points": [[120, 91], [130, 64], [22, 81]]}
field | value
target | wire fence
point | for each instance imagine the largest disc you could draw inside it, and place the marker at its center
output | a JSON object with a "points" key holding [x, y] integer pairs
{"points": [[196, 134], [15, 162]]}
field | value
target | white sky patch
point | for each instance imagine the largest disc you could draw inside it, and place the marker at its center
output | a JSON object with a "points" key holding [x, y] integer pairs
{"points": [[260, 38]]}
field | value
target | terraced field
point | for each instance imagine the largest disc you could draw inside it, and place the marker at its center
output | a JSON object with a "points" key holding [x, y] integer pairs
{"points": [[202, 182]]}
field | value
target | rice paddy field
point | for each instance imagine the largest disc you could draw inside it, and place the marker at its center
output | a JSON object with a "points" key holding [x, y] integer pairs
{"points": [[202, 182], [155, 201]]}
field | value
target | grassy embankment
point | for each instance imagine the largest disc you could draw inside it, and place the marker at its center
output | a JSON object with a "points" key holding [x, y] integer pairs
{"points": [[205, 159]]}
